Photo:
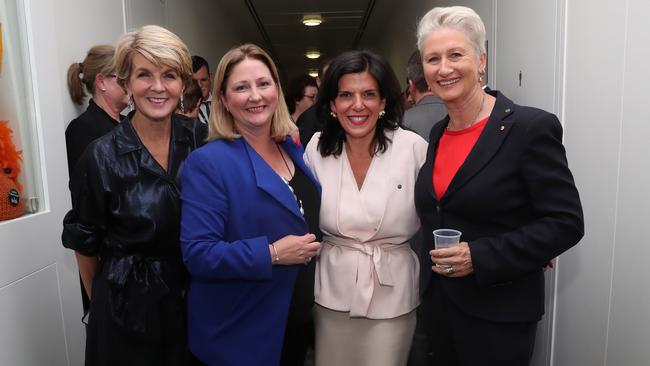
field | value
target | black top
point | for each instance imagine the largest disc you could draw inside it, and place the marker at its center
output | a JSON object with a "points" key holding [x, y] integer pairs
{"points": [[126, 210], [308, 198], [308, 124], [90, 125]]}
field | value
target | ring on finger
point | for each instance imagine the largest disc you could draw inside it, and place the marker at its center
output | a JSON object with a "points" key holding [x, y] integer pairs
{"points": [[450, 270]]}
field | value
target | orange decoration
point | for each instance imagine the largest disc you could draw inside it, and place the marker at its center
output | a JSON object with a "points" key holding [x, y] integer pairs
{"points": [[10, 189]]}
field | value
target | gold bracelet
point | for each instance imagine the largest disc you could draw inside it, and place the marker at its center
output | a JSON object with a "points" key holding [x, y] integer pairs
{"points": [[275, 252]]}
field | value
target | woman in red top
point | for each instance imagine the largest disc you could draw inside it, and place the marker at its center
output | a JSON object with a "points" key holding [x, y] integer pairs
{"points": [[497, 172]]}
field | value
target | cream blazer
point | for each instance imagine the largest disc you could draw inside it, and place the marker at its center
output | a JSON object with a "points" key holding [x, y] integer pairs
{"points": [[366, 266]]}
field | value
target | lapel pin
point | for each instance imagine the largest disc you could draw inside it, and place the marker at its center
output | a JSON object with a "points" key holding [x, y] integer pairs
{"points": [[502, 127], [507, 110]]}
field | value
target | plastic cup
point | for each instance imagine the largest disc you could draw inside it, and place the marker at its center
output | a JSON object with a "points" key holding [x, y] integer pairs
{"points": [[444, 238]]}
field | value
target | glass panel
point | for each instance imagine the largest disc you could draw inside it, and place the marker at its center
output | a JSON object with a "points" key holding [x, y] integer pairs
{"points": [[17, 107]]}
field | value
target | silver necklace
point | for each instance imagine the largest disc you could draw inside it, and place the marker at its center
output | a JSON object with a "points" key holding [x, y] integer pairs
{"points": [[475, 117]]}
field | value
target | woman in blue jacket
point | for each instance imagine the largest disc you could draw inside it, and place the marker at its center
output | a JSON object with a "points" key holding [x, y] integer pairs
{"points": [[249, 214]]}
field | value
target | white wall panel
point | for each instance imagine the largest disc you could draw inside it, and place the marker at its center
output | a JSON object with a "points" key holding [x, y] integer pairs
{"points": [[145, 12], [80, 25], [592, 119], [526, 46], [629, 329], [30, 307]]}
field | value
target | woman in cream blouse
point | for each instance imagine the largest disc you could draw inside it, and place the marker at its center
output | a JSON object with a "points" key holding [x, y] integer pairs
{"points": [[367, 275]]}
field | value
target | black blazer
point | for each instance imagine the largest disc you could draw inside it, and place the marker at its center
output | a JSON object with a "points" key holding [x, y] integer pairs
{"points": [[90, 125], [515, 201]]}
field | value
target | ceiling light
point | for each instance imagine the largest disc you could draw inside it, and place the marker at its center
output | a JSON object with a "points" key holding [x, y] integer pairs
{"points": [[312, 20], [313, 73], [313, 54]]}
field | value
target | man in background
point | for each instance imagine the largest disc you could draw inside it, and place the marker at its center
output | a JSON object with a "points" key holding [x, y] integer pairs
{"points": [[428, 109], [201, 73], [309, 121]]}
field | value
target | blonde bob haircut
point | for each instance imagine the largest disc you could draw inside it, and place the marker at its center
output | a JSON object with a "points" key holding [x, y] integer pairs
{"points": [[222, 123], [158, 46], [461, 18]]}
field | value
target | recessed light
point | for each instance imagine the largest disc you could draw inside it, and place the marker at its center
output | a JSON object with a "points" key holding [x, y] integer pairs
{"points": [[312, 20], [313, 73], [312, 54]]}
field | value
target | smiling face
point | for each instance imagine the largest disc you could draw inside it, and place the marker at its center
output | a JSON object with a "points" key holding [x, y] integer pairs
{"points": [[357, 105], [155, 90], [251, 95], [451, 65]]}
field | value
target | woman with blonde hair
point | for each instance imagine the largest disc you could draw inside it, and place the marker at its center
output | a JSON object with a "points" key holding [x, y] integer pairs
{"points": [[125, 210], [249, 226]]}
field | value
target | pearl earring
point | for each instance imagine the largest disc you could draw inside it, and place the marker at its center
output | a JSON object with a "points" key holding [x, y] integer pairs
{"points": [[332, 114], [382, 114]]}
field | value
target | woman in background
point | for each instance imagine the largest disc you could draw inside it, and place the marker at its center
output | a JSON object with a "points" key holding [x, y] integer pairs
{"points": [[95, 76], [497, 172], [366, 287], [126, 210], [249, 224]]}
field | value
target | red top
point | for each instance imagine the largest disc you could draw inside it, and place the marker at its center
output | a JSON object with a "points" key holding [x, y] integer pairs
{"points": [[453, 148]]}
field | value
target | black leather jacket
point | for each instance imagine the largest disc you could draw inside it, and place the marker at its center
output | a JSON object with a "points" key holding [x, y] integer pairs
{"points": [[126, 211]]}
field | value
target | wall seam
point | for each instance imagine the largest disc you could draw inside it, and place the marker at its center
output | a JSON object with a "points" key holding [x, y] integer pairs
{"points": [[618, 182], [560, 100], [124, 15], [495, 42]]}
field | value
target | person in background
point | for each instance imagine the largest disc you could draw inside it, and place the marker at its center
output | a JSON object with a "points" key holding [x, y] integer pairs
{"points": [[497, 172], [428, 109], [94, 76], [309, 121], [126, 210], [407, 99], [301, 94], [366, 287], [249, 227], [201, 73], [191, 100]]}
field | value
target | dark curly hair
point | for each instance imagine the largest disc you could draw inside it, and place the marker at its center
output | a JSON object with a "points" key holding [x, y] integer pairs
{"points": [[353, 62]]}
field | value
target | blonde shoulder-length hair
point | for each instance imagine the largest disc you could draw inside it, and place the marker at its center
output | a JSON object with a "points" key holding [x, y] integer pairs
{"points": [[222, 124], [159, 46]]}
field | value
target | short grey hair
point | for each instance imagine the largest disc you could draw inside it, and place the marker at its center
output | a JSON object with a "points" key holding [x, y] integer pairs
{"points": [[458, 17]]}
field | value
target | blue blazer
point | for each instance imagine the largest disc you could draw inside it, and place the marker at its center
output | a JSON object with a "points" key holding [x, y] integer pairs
{"points": [[233, 206]]}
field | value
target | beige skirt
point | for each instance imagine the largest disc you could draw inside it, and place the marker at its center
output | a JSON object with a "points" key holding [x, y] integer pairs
{"points": [[343, 341]]}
